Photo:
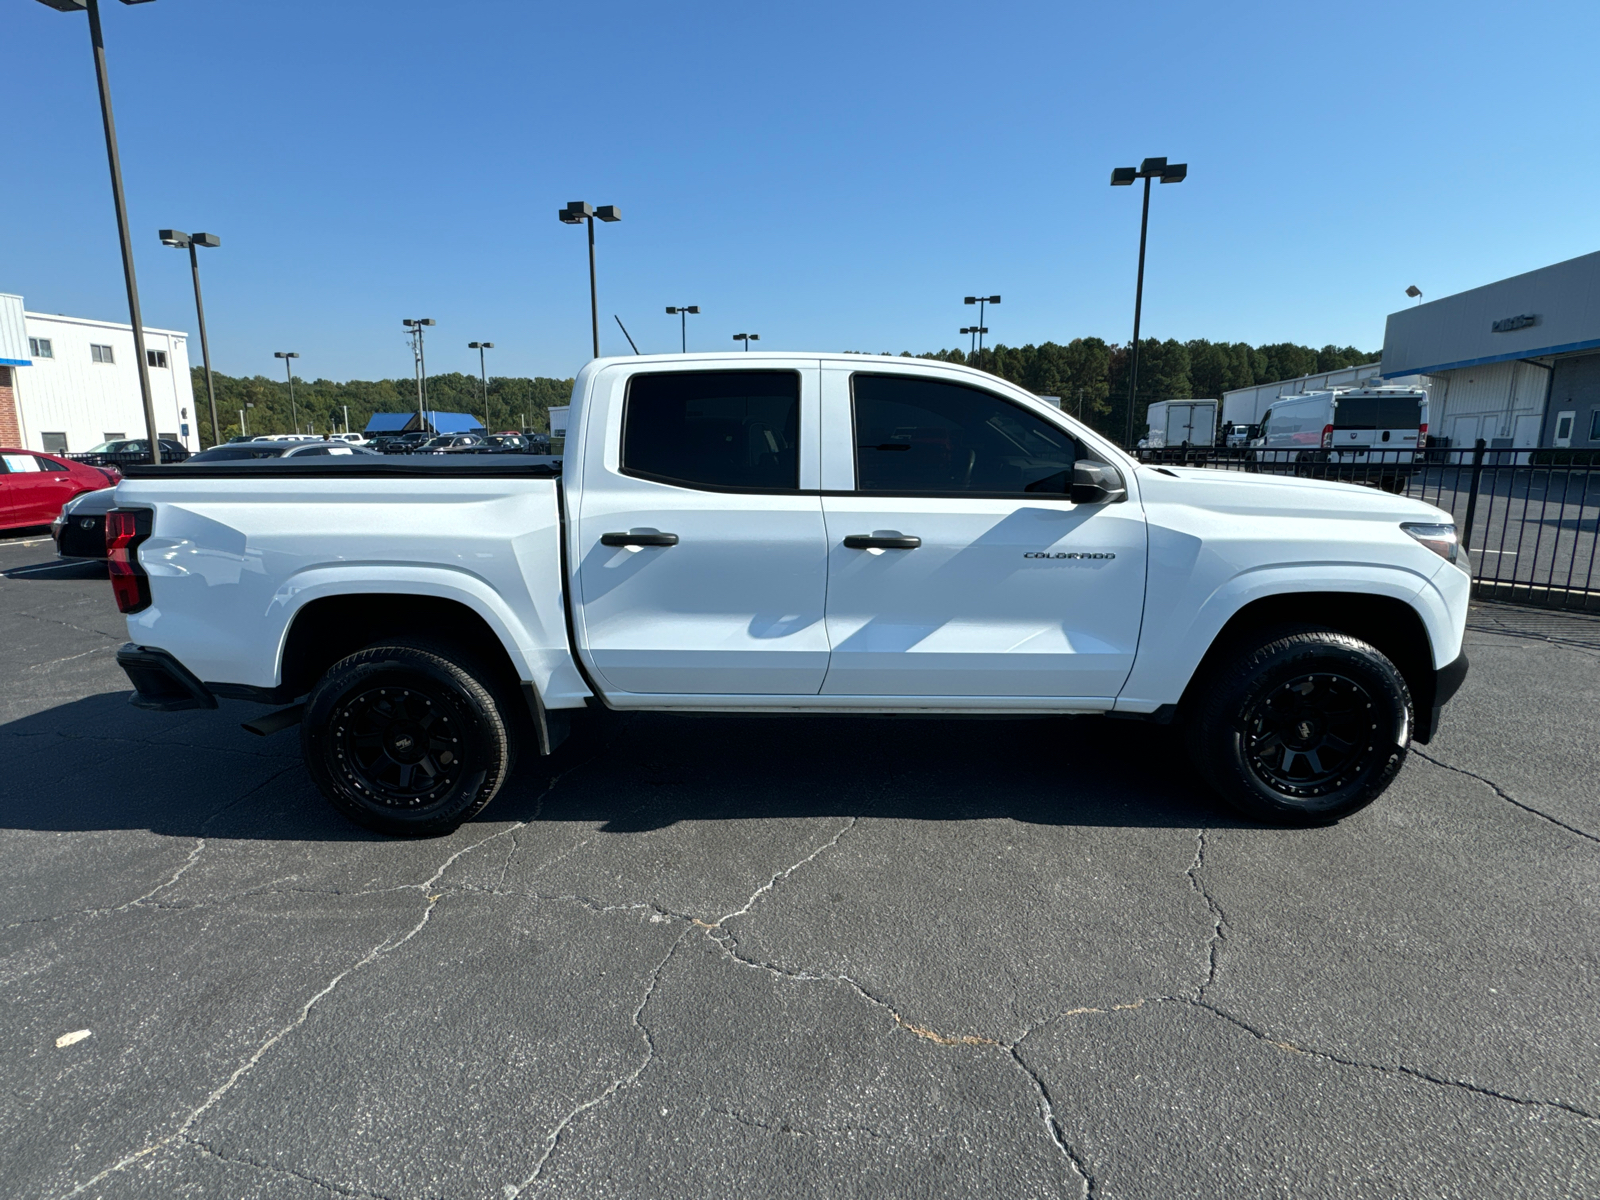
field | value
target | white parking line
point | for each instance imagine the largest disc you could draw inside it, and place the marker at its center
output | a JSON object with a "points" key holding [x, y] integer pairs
{"points": [[46, 567]]}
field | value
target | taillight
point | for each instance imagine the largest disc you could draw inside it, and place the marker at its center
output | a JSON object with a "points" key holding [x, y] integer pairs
{"points": [[1327, 437], [1422, 434], [126, 529]]}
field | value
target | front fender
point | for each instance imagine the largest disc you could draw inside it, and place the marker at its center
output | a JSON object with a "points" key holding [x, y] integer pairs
{"points": [[1171, 645]]}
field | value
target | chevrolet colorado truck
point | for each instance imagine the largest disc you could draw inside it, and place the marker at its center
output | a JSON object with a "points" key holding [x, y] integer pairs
{"points": [[790, 533]]}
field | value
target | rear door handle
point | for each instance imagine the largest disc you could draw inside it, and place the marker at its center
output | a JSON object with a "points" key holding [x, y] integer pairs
{"points": [[638, 539], [870, 541]]}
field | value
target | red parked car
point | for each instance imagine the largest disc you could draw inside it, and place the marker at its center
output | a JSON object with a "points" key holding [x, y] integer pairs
{"points": [[34, 486]]}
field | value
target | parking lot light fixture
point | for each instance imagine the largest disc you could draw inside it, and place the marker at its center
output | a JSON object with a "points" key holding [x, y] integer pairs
{"points": [[1150, 168], [581, 212], [98, 46], [747, 338], [682, 313], [980, 329], [483, 372], [183, 241], [288, 368]]}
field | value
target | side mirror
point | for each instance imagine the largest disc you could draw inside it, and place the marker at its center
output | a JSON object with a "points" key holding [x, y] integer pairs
{"points": [[1096, 483]]}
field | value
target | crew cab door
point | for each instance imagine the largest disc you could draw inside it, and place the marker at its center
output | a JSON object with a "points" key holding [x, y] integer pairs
{"points": [[1004, 587], [700, 554]]}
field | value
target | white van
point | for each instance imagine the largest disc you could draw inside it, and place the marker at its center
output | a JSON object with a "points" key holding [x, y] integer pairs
{"points": [[1354, 424]]}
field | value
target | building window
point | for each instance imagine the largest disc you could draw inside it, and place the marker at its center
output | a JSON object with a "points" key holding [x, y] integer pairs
{"points": [[54, 443], [1594, 425], [101, 354], [112, 437], [41, 348], [156, 358]]}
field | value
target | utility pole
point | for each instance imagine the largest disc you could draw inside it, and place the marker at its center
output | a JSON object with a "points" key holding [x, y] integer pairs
{"points": [[979, 329], [294, 413], [483, 373], [1150, 168], [421, 364], [578, 212], [102, 78]]}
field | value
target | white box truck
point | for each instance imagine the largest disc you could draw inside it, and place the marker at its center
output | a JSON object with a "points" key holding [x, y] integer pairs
{"points": [[1182, 423]]}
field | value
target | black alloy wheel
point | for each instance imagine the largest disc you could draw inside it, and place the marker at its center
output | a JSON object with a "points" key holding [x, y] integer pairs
{"points": [[1311, 735], [1300, 725], [397, 746], [407, 739]]}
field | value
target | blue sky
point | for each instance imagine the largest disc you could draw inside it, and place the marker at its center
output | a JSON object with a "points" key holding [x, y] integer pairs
{"points": [[831, 176]]}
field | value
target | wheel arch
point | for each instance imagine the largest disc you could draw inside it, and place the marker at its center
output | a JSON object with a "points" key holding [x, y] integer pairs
{"points": [[328, 628], [1388, 623]]}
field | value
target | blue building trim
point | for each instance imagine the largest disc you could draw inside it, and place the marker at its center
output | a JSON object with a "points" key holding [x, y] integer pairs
{"points": [[1592, 344], [16, 362]]}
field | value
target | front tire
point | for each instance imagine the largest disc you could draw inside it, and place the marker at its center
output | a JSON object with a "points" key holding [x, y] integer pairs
{"points": [[1302, 726], [405, 741]]}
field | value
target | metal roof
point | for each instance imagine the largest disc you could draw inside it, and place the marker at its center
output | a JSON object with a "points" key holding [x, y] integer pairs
{"points": [[1554, 310]]}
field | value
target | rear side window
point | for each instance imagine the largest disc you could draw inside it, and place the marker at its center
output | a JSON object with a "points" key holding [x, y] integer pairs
{"points": [[20, 464], [721, 430], [924, 436], [1377, 412]]}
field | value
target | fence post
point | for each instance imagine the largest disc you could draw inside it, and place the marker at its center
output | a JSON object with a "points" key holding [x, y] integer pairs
{"points": [[1472, 496]]}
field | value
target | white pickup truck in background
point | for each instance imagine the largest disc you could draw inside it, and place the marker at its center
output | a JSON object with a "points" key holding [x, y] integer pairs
{"points": [[801, 533]]}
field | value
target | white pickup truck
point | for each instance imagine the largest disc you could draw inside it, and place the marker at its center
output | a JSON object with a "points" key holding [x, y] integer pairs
{"points": [[794, 533]]}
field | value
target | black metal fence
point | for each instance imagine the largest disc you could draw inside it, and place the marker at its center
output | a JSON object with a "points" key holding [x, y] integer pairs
{"points": [[1529, 518]]}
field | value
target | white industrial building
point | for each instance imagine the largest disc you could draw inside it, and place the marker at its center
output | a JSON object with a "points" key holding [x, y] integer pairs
{"points": [[70, 383], [1515, 362]]}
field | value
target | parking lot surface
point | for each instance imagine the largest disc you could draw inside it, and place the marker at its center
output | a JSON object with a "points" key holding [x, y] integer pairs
{"points": [[705, 957]]}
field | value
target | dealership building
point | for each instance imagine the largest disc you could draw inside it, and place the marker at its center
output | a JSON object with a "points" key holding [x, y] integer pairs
{"points": [[1516, 363], [70, 383]]}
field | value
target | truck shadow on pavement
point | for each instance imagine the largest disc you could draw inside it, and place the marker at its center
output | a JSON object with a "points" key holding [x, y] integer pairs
{"points": [[98, 764]]}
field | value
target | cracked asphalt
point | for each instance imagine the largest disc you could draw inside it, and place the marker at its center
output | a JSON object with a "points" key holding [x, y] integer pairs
{"points": [[703, 957]]}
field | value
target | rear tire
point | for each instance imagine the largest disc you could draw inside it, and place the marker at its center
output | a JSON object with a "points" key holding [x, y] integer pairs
{"points": [[1301, 726], [406, 741]]}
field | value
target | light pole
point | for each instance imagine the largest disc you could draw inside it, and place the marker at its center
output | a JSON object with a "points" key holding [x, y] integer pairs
{"points": [[483, 373], [1415, 293], [972, 342], [682, 313], [346, 408], [294, 413], [979, 328], [419, 364], [1150, 168], [181, 240], [577, 212], [97, 43], [747, 338]]}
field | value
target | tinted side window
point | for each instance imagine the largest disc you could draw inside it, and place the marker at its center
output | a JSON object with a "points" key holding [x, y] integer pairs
{"points": [[921, 435], [714, 429]]}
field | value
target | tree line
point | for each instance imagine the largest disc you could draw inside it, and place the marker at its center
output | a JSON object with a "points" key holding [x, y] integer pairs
{"points": [[515, 402], [1089, 374]]}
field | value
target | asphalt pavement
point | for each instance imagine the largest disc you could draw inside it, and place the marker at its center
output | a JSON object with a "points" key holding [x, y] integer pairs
{"points": [[706, 957]]}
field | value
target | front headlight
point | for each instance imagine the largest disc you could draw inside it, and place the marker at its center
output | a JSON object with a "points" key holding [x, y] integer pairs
{"points": [[1441, 539]]}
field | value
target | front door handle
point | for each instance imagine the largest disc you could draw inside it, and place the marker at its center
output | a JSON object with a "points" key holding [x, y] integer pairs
{"points": [[872, 541], [638, 539]]}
